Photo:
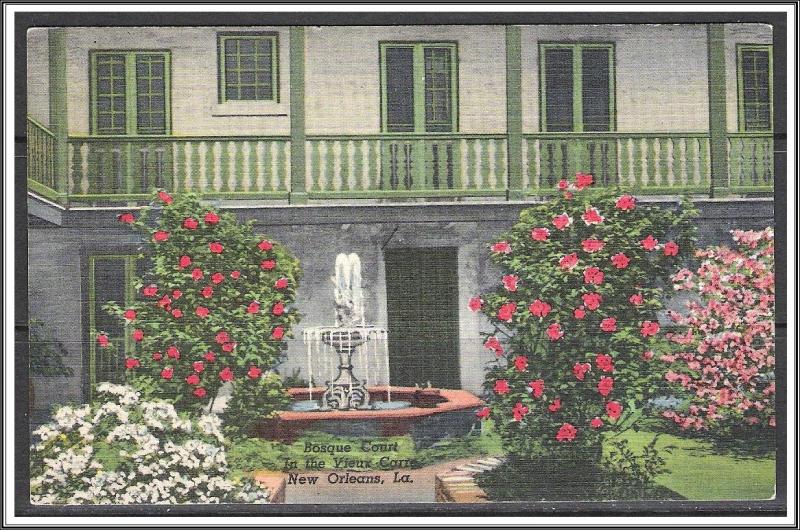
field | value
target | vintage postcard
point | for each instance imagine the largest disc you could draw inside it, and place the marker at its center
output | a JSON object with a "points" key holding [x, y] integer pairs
{"points": [[450, 264]]}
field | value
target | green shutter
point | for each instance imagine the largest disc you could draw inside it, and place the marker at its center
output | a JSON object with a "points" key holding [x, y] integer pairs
{"points": [[754, 79]]}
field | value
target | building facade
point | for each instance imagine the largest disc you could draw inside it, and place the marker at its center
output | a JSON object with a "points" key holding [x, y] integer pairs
{"points": [[412, 146]]}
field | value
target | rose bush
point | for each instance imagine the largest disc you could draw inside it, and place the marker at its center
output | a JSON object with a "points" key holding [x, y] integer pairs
{"points": [[573, 337], [214, 308], [122, 450], [725, 342]]}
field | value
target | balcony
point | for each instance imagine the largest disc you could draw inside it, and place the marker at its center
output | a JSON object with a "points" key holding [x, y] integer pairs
{"points": [[110, 170]]}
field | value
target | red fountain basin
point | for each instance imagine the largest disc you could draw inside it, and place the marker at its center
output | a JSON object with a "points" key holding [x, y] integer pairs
{"points": [[435, 413]]}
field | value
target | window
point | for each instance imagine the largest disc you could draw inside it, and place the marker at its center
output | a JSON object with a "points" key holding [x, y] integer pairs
{"points": [[577, 87], [248, 67], [755, 87], [130, 92], [419, 87]]}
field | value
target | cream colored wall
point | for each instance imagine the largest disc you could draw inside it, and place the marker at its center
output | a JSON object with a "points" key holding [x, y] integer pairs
{"points": [[38, 76], [739, 34], [195, 107]]}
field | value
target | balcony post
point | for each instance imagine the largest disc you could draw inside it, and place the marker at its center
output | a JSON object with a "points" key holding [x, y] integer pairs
{"points": [[57, 89], [717, 111], [515, 191], [297, 113]]}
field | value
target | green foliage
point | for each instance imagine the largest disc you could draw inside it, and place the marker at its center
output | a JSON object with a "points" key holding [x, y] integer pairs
{"points": [[252, 402], [46, 356], [629, 473], [295, 380]]}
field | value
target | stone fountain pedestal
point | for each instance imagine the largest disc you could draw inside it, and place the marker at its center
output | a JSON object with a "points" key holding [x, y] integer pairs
{"points": [[345, 391]]}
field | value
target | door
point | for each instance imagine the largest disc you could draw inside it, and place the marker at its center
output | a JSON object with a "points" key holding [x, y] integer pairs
{"points": [[422, 300]]}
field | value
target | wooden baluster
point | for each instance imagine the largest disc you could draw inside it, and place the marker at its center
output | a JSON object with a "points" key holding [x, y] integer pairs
{"points": [[551, 175], [591, 146], [754, 164], [565, 160], [449, 154], [604, 163], [767, 161], [435, 162], [144, 173], [408, 163]]}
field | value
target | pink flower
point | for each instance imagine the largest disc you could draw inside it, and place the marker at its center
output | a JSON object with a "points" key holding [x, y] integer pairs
{"points": [[555, 405], [519, 411], [217, 278], [579, 313], [236, 275], [620, 260], [177, 293], [563, 184], [173, 353], [580, 369], [268, 264], [157, 356], [636, 299], [475, 304], [199, 392], [649, 243], [198, 366], [593, 275], [605, 385], [670, 248], [207, 291], [264, 245], [228, 347], [613, 410], [592, 217], [190, 223], [177, 313], [129, 315], [501, 247], [626, 203], [506, 311], [254, 372], [592, 245], [222, 337], [568, 262], [537, 387], [648, 355], [211, 218], [649, 328], [184, 261], [277, 333], [253, 308], [608, 325], [501, 387], [562, 221], [137, 335], [210, 356], [278, 309], [131, 363], [281, 283], [583, 180], [540, 234], [126, 218], [539, 309], [226, 374], [554, 332], [165, 197], [193, 379], [566, 433], [592, 300], [201, 311], [604, 362], [197, 274], [483, 413], [216, 247], [166, 373], [150, 290], [521, 363], [510, 282], [596, 423], [160, 236], [494, 345]]}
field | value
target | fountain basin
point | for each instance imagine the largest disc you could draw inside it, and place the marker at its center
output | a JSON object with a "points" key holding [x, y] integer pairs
{"points": [[432, 414]]}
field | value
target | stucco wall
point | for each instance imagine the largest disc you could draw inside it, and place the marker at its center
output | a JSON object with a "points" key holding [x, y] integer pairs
{"points": [[739, 34], [38, 76]]}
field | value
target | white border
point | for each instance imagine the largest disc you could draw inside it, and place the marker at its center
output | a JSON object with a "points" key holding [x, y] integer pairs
{"points": [[9, 287]]}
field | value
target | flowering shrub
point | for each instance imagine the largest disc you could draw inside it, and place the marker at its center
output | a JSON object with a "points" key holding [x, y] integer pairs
{"points": [[127, 451], [726, 342], [575, 328], [214, 307]]}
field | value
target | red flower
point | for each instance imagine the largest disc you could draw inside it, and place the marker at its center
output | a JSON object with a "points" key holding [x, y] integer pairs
{"points": [[475, 304], [566, 433], [197, 274], [596, 423], [210, 356], [540, 234], [278, 332], [253, 308], [137, 335], [580, 369], [483, 413], [173, 353], [620, 260], [278, 309], [670, 248], [592, 217], [131, 363], [649, 243], [648, 355], [501, 387], [583, 180], [235, 275], [555, 405], [604, 362], [150, 290], [201, 311], [184, 261], [126, 218], [160, 235], [554, 331], [164, 302], [198, 366], [568, 262], [211, 218], [177, 313], [506, 311], [216, 247], [609, 324], [176, 294], [519, 411], [626, 203], [228, 347], [605, 385], [521, 363], [613, 410], [579, 313], [165, 197], [264, 246], [592, 245], [501, 247], [254, 372], [222, 337], [539, 309], [537, 388], [593, 275], [167, 373], [636, 299], [157, 356], [510, 282], [226, 374], [190, 223], [129, 315], [268, 264], [592, 300], [193, 379], [207, 291], [493, 344], [217, 277], [563, 184], [200, 392], [281, 283], [649, 328], [562, 221]]}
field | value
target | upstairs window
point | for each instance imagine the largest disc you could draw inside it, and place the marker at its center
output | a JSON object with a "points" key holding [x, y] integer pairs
{"points": [[248, 67], [130, 92], [419, 87], [577, 87], [755, 87]]}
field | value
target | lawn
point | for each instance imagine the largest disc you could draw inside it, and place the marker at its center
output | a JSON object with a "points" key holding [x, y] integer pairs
{"points": [[697, 472]]}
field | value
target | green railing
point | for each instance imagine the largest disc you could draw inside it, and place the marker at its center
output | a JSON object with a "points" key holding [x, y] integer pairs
{"points": [[115, 168], [751, 162], [406, 166], [645, 163], [41, 158]]}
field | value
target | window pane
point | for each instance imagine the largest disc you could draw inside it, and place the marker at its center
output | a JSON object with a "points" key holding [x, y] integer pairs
{"points": [[756, 104], [110, 86], [558, 89], [438, 110], [596, 90], [151, 96], [248, 68], [399, 89]]}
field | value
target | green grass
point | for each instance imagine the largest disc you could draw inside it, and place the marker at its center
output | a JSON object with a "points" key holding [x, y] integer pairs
{"points": [[697, 472]]}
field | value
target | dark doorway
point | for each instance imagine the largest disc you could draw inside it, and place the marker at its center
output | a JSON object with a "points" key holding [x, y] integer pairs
{"points": [[422, 303]]}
